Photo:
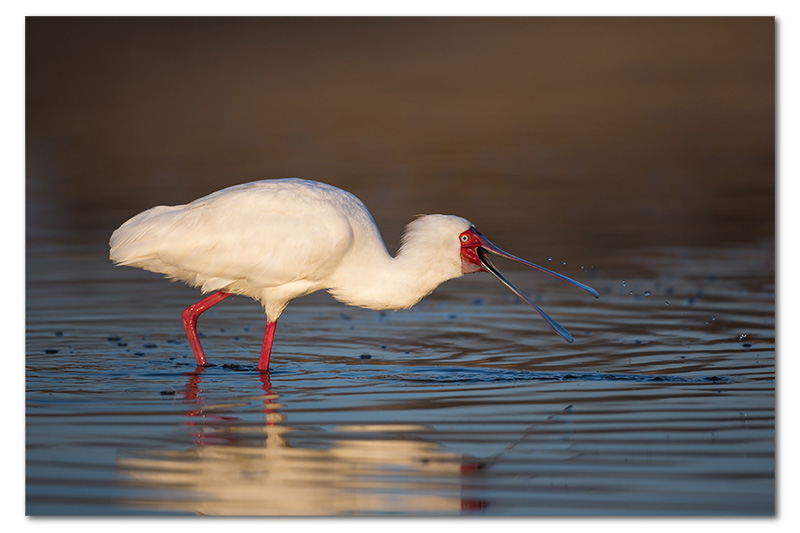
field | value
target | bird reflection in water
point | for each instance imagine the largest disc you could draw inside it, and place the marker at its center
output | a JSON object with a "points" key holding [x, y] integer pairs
{"points": [[243, 469]]}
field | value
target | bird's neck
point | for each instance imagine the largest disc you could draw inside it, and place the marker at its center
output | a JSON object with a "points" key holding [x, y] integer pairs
{"points": [[380, 281]]}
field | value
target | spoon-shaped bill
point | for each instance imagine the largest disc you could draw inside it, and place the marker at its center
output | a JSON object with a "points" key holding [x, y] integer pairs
{"points": [[485, 244], [489, 267]]}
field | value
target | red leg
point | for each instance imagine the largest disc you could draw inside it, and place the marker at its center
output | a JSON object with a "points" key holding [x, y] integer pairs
{"points": [[266, 348], [190, 316]]}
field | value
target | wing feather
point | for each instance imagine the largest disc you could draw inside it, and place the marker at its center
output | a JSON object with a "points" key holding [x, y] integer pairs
{"points": [[260, 235]]}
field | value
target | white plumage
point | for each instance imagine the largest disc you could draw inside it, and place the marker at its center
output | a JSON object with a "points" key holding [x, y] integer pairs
{"points": [[277, 240]]}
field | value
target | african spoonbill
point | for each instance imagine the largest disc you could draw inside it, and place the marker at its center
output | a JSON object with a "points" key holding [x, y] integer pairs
{"points": [[279, 239]]}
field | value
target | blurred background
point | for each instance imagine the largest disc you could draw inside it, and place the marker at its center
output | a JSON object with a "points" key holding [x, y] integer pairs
{"points": [[591, 137]]}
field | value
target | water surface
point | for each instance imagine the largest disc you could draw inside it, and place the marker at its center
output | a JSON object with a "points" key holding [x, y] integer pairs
{"points": [[468, 403]]}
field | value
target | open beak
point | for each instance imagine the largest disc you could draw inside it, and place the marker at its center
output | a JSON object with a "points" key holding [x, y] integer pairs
{"points": [[482, 246]]}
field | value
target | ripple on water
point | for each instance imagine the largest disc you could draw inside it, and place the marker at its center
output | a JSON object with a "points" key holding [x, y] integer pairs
{"points": [[461, 407]]}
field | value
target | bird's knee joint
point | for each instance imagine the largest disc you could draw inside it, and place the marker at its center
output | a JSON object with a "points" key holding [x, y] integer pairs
{"points": [[188, 315]]}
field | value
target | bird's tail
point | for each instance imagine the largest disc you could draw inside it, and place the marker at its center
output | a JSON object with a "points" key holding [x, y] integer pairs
{"points": [[134, 242]]}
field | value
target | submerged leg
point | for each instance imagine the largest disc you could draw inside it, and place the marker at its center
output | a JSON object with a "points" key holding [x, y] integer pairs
{"points": [[190, 316], [266, 348]]}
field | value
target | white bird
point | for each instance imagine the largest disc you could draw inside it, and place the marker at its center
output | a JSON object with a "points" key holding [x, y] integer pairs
{"points": [[279, 239]]}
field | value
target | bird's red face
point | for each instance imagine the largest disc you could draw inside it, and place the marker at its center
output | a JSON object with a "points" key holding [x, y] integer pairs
{"points": [[475, 250], [470, 241]]}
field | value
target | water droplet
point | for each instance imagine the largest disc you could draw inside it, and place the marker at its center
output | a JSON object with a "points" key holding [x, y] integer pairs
{"points": [[563, 262], [666, 303], [549, 258], [631, 293], [582, 267], [647, 293], [624, 284], [743, 336], [713, 317]]}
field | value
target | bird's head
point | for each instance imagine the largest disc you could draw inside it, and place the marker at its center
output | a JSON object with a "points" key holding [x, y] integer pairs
{"points": [[438, 238]]}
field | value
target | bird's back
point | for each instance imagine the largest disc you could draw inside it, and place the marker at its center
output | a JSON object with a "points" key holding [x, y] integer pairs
{"points": [[247, 237]]}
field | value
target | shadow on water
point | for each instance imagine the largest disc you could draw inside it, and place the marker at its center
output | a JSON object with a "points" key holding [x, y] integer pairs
{"points": [[439, 374], [469, 375]]}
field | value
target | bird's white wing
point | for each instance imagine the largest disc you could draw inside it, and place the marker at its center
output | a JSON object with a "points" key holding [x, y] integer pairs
{"points": [[261, 236]]}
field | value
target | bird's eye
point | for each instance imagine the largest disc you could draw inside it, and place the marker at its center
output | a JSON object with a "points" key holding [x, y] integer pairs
{"points": [[464, 238]]}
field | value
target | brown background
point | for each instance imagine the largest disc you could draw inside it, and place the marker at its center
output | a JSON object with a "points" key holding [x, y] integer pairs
{"points": [[602, 134]]}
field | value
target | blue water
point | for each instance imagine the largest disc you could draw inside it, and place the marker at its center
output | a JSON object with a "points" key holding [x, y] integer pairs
{"points": [[462, 404]]}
